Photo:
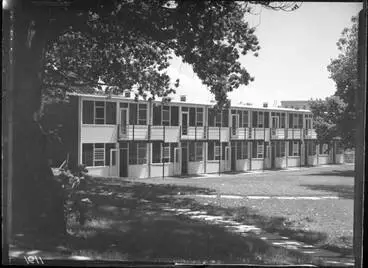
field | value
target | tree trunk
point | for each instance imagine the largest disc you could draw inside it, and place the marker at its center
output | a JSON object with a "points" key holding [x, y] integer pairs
{"points": [[37, 197]]}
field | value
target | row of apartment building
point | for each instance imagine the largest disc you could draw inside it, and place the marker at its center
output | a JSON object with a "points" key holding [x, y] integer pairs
{"points": [[118, 136]]}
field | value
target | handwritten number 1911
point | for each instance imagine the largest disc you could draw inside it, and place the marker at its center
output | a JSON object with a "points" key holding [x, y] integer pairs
{"points": [[33, 260]]}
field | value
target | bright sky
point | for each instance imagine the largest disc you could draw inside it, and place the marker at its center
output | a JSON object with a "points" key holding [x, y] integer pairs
{"points": [[296, 48]]}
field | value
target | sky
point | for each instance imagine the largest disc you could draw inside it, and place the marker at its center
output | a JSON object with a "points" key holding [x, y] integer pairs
{"points": [[296, 48]]}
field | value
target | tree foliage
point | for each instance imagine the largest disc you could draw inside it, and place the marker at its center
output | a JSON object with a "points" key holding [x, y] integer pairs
{"points": [[336, 116]]}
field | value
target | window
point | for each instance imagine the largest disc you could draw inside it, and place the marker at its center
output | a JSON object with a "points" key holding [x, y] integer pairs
{"points": [[280, 148], [138, 153], [172, 150], [294, 148], [87, 154], [156, 116], [165, 152], [295, 121], [192, 151], [199, 151], [311, 147], [245, 119], [133, 113], [111, 113], [258, 149], [218, 119], [156, 152], [323, 148], [192, 116], [142, 114], [174, 116], [166, 115], [260, 120], [300, 121], [266, 119], [214, 150], [99, 154], [254, 118], [88, 113], [282, 120], [199, 116], [224, 156], [225, 118], [290, 120], [108, 147], [142, 153], [242, 149], [217, 149], [211, 117], [99, 112], [240, 116], [339, 148]]}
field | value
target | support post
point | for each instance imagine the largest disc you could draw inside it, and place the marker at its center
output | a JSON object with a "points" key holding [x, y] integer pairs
{"points": [[360, 95]]}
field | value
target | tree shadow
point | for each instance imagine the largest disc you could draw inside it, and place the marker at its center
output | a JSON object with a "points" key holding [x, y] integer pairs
{"points": [[129, 222], [343, 191], [341, 173]]}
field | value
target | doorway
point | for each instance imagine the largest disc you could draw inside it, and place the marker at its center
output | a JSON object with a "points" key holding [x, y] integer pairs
{"points": [[123, 162], [184, 159]]}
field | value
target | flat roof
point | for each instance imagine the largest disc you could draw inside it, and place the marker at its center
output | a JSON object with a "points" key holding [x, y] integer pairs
{"points": [[208, 103]]}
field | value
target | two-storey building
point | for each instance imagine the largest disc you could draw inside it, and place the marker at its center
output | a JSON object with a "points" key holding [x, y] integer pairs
{"points": [[118, 136]]}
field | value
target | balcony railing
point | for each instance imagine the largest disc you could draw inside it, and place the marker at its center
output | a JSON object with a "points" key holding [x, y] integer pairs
{"points": [[223, 134]]}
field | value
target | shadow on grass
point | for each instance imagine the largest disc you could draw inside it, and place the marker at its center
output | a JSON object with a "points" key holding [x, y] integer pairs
{"points": [[343, 191], [341, 173], [128, 222]]}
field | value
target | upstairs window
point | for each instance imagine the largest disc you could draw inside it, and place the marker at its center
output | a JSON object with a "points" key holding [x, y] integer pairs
{"points": [[199, 117], [99, 112], [166, 115], [142, 114]]}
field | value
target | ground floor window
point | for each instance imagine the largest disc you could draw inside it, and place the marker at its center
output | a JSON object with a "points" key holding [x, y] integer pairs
{"points": [[163, 152], [323, 148], [258, 149], [280, 148], [339, 148], [138, 153], [97, 154], [311, 147], [294, 148], [242, 149], [195, 151], [214, 150]]}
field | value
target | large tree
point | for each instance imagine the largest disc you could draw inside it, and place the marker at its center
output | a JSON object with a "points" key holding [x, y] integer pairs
{"points": [[66, 45], [336, 116]]}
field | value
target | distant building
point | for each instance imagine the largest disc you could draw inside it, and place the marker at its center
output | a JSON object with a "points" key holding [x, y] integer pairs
{"points": [[295, 104]]}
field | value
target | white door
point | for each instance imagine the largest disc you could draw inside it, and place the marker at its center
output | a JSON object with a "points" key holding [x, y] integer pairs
{"points": [[113, 166], [177, 161]]}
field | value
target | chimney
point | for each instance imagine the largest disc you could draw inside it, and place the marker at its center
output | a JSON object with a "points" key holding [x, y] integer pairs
{"points": [[265, 105], [183, 98]]}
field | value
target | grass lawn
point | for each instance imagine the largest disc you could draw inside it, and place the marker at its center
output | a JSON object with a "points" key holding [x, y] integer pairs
{"points": [[128, 220], [327, 223]]}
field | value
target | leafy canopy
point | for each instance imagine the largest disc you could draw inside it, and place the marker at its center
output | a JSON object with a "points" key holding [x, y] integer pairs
{"points": [[128, 44], [336, 115]]}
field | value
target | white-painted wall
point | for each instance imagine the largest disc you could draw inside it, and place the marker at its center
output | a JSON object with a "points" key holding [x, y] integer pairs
{"points": [[98, 171], [212, 166], [280, 162], [99, 134], [242, 164], [293, 161], [312, 160], [196, 167], [156, 169], [339, 158], [138, 171], [257, 164], [323, 159]]}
